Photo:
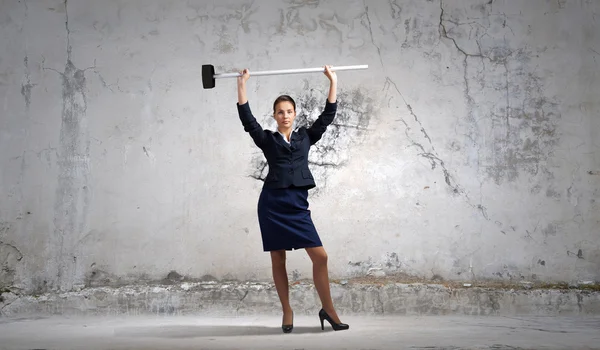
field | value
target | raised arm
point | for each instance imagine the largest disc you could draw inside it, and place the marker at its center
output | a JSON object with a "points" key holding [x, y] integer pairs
{"points": [[316, 131], [241, 86], [332, 98], [250, 124]]}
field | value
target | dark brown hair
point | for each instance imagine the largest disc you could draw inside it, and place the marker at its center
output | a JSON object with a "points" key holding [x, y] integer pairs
{"points": [[283, 98]]}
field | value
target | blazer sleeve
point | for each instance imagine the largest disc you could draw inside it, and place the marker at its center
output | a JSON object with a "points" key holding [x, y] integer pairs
{"points": [[317, 129], [250, 124]]}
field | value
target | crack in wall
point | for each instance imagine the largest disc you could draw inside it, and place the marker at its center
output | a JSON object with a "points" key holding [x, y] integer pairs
{"points": [[494, 54], [433, 157], [13, 247], [469, 101], [68, 30], [444, 33], [245, 295], [396, 10], [523, 135], [106, 85], [371, 31]]}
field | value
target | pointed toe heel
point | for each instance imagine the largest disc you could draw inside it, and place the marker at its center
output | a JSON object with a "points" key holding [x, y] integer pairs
{"points": [[336, 326]]}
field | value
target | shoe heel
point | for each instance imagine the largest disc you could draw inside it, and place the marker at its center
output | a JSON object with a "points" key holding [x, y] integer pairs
{"points": [[322, 324]]}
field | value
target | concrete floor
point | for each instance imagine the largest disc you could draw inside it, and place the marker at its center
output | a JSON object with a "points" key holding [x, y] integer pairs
{"points": [[262, 332]]}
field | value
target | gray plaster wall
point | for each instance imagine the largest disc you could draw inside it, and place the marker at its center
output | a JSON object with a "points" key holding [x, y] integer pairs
{"points": [[469, 150]]}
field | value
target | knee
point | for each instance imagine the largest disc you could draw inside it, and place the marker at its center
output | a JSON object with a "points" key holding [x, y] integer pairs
{"points": [[320, 258]]}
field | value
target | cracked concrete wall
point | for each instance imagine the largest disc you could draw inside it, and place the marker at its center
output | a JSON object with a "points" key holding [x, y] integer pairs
{"points": [[468, 151]]}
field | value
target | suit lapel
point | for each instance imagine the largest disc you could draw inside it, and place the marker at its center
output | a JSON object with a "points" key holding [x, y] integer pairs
{"points": [[281, 141], [294, 137]]}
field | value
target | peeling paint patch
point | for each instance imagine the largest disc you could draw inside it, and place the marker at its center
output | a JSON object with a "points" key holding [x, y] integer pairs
{"points": [[27, 86], [551, 193], [232, 18], [389, 264], [579, 253], [97, 277], [396, 10], [291, 18], [4, 228], [392, 262], [529, 138], [10, 256], [523, 119], [72, 192], [73, 160], [227, 43], [149, 154], [550, 230], [510, 272]]}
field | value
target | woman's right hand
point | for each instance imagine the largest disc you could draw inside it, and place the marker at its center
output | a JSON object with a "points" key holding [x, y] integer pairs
{"points": [[245, 75], [330, 74]]}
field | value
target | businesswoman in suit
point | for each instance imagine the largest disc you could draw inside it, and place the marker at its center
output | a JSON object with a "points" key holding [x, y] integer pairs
{"points": [[283, 214]]}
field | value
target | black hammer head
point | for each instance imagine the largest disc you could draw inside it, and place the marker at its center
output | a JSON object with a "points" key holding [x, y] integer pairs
{"points": [[208, 72]]}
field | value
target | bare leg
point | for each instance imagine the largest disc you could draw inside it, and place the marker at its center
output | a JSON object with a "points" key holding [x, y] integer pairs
{"points": [[321, 279], [281, 284]]}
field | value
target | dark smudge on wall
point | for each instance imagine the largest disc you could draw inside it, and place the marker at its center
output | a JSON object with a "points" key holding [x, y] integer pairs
{"points": [[355, 111]]}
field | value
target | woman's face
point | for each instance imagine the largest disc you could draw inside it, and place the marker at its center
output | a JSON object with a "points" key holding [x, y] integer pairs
{"points": [[285, 114]]}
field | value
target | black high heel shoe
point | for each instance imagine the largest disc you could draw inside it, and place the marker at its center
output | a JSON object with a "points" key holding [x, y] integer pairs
{"points": [[287, 328], [336, 326]]}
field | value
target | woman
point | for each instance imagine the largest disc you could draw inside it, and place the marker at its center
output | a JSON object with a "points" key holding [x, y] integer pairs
{"points": [[283, 214]]}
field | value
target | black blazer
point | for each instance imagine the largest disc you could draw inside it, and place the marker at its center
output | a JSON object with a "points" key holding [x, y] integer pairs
{"points": [[288, 164]]}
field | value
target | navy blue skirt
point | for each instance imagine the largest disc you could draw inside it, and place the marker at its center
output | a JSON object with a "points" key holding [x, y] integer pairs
{"points": [[285, 221]]}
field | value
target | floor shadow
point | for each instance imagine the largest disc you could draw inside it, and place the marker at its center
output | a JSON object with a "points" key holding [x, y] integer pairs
{"points": [[188, 331]]}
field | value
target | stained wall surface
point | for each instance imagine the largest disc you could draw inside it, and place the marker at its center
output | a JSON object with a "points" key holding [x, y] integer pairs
{"points": [[469, 150]]}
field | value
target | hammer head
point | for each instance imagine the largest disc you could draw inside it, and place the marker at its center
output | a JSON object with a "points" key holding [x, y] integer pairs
{"points": [[208, 72]]}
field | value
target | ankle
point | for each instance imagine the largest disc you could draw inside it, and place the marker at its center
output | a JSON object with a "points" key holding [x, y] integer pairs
{"points": [[330, 310]]}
